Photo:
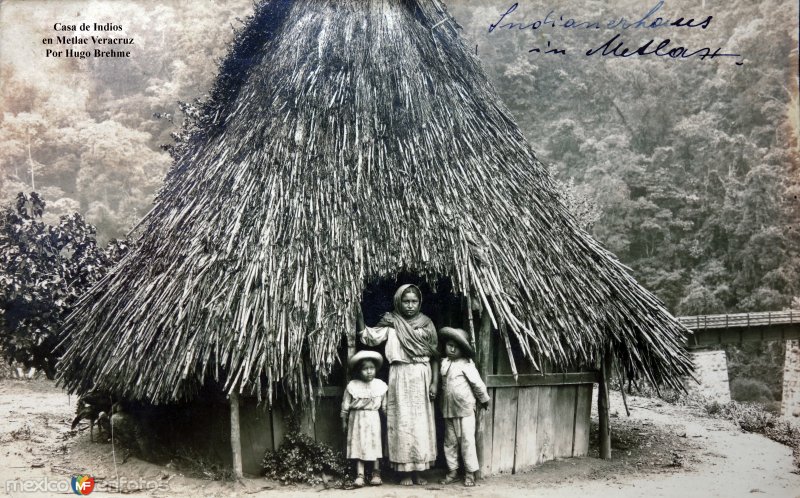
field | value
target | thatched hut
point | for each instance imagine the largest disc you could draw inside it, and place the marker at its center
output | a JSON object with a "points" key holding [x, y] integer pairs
{"points": [[348, 145]]}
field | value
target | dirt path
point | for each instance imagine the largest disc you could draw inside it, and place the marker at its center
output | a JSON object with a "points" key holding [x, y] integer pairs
{"points": [[660, 451]]}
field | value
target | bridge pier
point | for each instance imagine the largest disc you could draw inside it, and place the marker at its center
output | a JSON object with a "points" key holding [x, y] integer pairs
{"points": [[711, 370], [790, 404]]}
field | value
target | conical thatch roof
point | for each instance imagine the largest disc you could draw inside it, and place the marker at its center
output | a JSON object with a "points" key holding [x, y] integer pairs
{"points": [[349, 141]]}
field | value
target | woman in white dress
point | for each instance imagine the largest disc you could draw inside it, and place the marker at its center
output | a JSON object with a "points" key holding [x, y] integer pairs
{"points": [[412, 352]]}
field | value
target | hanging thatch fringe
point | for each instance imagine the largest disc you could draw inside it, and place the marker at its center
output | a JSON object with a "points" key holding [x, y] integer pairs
{"points": [[347, 141]]}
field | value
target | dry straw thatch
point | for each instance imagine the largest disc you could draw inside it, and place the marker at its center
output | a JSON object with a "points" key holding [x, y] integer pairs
{"points": [[347, 141]]}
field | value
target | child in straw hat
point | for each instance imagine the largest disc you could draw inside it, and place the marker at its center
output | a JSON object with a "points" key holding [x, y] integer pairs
{"points": [[461, 387], [363, 397]]}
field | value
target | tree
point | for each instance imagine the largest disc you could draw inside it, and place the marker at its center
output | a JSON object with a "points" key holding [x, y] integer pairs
{"points": [[578, 202], [693, 170], [43, 271]]}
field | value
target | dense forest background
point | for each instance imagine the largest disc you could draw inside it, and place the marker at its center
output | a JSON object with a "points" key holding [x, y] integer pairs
{"points": [[691, 165]]}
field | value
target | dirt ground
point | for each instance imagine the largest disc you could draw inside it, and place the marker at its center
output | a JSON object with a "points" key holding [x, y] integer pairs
{"points": [[660, 451]]}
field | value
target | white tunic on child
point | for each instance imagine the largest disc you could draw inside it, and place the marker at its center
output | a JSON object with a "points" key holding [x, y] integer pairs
{"points": [[360, 405]]}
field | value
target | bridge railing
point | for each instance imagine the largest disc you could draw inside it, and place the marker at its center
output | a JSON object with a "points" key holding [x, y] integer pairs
{"points": [[703, 322]]}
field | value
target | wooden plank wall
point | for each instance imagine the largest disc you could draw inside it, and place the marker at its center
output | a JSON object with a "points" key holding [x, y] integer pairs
{"points": [[526, 436], [212, 431], [563, 416], [583, 410], [534, 424], [263, 429], [527, 426], [504, 426], [255, 424], [503, 430], [532, 419], [483, 438], [327, 426]]}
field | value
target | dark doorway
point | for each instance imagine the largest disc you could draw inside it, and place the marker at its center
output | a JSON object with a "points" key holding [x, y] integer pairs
{"points": [[438, 302]]}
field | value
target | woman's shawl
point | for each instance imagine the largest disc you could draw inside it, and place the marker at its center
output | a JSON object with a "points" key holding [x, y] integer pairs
{"points": [[414, 343]]}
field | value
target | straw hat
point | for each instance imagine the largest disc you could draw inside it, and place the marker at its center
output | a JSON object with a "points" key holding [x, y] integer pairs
{"points": [[365, 355], [460, 337]]}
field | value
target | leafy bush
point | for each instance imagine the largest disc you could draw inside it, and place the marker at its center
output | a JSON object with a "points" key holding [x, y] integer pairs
{"points": [[196, 464], [757, 360], [44, 269], [300, 459], [751, 417], [754, 390], [713, 408], [788, 434]]}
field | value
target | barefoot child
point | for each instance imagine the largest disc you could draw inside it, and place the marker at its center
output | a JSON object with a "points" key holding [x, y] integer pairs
{"points": [[461, 387], [363, 397]]}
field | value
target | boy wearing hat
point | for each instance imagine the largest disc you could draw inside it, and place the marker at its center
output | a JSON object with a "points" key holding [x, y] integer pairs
{"points": [[462, 386]]}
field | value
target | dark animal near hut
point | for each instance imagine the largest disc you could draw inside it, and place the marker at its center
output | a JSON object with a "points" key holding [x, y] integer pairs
{"points": [[94, 407], [128, 432]]}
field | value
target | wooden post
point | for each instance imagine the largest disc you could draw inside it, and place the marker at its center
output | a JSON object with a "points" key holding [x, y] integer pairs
{"points": [[236, 438], [469, 321], [483, 440], [352, 340], [352, 334], [602, 408], [351, 350]]}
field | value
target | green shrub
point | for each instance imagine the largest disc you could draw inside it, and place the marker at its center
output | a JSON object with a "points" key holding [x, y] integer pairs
{"points": [[301, 459], [750, 417], [788, 434], [713, 407], [753, 417], [757, 360], [196, 464], [747, 389]]}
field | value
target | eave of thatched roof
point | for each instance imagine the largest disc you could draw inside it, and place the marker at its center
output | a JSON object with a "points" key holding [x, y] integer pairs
{"points": [[361, 139]]}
